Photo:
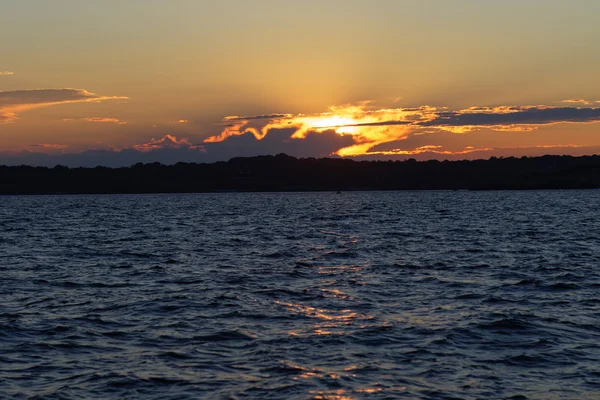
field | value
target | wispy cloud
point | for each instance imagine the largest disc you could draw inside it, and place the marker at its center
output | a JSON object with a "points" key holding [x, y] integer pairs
{"points": [[434, 149], [369, 126], [266, 116], [6, 73], [580, 101], [17, 101], [437, 149], [105, 120], [50, 146]]}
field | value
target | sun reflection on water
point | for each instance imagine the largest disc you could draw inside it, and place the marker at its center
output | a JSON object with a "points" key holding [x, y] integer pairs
{"points": [[329, 322], [333, 312], [343, 394], [339, 394]]}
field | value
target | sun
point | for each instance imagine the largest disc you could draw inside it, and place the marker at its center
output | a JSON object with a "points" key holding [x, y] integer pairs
{"points": [[341, 125]]}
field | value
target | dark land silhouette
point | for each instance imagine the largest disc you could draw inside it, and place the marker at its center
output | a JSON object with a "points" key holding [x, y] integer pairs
{"points": [[285, 173]]}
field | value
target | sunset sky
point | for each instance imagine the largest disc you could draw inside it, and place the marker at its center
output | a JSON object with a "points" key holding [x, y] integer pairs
{"points": [[202, 80]]}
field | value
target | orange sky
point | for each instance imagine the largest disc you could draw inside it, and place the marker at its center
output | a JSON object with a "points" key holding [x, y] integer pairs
{"points": [[469, 79]]}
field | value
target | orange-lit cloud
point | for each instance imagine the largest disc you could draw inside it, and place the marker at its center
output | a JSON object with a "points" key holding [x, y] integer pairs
{"points": [[182, 121], [437, 149], [16, 101], [369, 127], [167, 142], [434, 149], [545, 146], [6, 73], [51, 146], [105, 120], [580, 101], [366, 125]]}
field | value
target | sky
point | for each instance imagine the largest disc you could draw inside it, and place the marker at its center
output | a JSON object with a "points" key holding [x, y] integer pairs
{"points": [[117, 82]]}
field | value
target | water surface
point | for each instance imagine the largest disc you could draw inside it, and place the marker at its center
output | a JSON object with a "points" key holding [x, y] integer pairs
{"points": [[431, 295]]}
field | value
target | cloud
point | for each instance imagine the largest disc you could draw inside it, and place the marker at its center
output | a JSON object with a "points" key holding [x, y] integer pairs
{"points": [[436, 152], [105, 120], [516, 117], [50, 146], [433, 149], [171, 149], [126, 157], [368, 127], [438, 149], [30, 98], [580, 101], [266, 116], [6, 116], [167, 142], [321, 144], [16, 101], [359, 131], [182, 121], [6, 73], [102, 120], [167, 150]]}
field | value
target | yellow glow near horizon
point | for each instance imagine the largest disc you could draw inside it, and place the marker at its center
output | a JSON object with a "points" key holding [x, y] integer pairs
{"points": [[360, 120]]}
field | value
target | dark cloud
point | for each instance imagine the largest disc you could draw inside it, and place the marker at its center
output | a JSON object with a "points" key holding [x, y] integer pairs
{"points": [[279, 141], [378, 123], [535, 116], [485, 117], [266, 116], [170, 150], [107, 158]]}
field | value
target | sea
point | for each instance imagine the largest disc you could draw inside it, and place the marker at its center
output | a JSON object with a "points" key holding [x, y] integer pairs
{"points": [[323, 295]]}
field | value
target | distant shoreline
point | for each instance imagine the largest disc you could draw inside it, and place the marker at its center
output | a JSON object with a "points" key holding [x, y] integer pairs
{"points": [[283, 173], [287, 192]]}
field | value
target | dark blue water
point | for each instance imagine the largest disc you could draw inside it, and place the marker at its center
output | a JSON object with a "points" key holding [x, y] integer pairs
{"points": [[431, 295]]}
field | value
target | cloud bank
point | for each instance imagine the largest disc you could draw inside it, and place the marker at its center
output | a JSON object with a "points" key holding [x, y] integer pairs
{"points": [[359, 131], [368, 127], [171, 149]]}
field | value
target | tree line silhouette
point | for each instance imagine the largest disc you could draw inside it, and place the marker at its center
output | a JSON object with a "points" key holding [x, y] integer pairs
{"points": [[285, 173]]}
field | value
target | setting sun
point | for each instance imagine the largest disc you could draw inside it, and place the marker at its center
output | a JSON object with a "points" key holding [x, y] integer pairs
{"points": [[336, 122]]}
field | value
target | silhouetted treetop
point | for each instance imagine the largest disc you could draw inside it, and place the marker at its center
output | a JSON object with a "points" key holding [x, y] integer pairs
{"points": [[285, 173]]}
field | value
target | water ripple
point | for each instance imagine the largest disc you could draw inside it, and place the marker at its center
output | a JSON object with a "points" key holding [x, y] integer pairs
{"points": [[432, 295]]}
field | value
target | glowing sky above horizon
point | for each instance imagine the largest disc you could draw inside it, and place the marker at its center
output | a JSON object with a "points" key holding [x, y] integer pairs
{"points": [[391, 79]]}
